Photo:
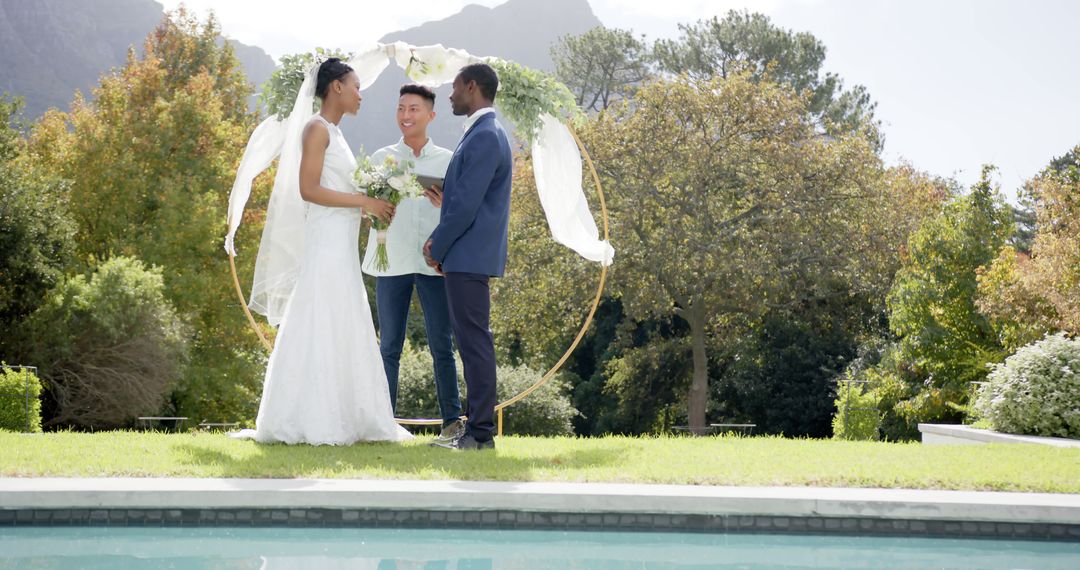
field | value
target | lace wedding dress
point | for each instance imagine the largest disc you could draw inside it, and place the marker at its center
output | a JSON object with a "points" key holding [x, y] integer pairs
{"points": [[325, 382]]}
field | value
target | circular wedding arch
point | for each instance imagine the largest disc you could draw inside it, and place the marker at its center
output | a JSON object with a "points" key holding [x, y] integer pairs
{"points": [[415, 66]]}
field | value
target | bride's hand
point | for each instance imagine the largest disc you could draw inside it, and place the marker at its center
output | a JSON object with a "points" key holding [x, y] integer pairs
{"points": [[380, 209]]}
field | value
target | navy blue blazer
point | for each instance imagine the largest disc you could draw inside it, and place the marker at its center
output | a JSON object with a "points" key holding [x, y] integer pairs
{"points": [[472, 233]]}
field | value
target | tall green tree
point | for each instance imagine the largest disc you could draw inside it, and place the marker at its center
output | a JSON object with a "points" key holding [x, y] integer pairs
{"points": [[602, 65], [36, 233], [151, 160], [731, 194], [719, 47], [945, 343]]}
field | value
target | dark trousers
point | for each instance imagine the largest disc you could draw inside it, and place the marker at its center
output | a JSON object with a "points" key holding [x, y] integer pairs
{"points": [[393, 295], [470, 313]]}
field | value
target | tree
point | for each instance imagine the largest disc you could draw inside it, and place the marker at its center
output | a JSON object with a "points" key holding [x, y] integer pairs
{"points": [[601, 65], [750, 41], [1024, 220], [36, 234], [783, 380], [831, 267], [731, 194], [781, 373], [9, 133], [1064, 163], [151, 160], [1055, 267], [945, 343], [905, 199], [1028, 296], [1017, 312]]}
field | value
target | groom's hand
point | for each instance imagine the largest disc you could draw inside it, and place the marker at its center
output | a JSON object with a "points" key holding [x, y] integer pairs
{"points": [[430, 260]]}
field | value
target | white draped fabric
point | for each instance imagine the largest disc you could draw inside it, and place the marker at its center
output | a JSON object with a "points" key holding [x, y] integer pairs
{"points": [[557, 166]]}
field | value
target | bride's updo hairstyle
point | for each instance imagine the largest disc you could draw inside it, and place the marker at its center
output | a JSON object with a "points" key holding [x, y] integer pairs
{"points": [[330, 70]]}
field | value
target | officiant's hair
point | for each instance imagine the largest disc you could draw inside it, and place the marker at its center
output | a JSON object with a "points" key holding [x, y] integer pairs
{"points": [[416, 89], [484, 76], [330, 70]]}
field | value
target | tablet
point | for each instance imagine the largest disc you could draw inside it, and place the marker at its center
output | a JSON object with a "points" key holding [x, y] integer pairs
{"points": [[429, 181]]}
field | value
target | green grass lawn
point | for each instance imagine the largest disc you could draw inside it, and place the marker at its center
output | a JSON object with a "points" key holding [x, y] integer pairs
{"points": [[680, 460]]}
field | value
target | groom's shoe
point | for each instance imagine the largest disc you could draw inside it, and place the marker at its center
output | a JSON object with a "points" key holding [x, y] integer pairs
{"points": [[467, 441], [449, 433]]}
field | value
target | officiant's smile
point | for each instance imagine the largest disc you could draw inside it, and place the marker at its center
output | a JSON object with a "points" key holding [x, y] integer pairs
{"points": [[414, 113]]}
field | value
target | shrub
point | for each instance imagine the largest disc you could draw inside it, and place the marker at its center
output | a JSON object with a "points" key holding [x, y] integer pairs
{"points": [[891, 382], [857, 416], [13, 409], [1036, 391], [545, 412], [109, 346], [416, 384]]}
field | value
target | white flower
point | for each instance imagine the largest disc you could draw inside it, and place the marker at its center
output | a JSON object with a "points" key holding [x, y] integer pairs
{"points": [[414, 190], [399, 182], [364, 178]]}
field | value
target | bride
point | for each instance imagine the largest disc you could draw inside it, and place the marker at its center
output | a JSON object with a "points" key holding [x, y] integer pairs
{"points": [[325, 382]]}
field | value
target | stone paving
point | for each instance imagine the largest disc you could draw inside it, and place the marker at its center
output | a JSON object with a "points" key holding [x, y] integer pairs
{"points": [[570, 506]]}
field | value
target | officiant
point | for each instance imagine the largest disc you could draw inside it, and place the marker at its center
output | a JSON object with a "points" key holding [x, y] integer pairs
{"points": [[414, 220]]}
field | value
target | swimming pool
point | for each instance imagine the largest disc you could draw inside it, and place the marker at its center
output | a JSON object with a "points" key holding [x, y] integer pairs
{"points": [[222, 548]]}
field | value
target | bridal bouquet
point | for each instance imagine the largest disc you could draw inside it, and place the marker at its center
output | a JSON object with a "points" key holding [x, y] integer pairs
{"points": [[391, 181]]}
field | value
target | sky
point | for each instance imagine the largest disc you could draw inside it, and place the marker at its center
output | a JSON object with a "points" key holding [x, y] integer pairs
{"points": [[958, 83]]}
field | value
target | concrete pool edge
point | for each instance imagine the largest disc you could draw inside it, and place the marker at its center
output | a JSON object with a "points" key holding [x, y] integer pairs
{"points": [[536, 505]]}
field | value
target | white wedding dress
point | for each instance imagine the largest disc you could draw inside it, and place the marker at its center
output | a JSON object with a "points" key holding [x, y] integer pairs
{"points": [[325, 382]]}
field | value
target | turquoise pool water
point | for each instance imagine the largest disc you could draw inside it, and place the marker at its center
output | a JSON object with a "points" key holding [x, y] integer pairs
{"points": [[40, 548]]}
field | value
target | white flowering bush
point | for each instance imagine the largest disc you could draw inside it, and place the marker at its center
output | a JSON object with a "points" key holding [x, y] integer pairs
{"points": [[1036, 391]]}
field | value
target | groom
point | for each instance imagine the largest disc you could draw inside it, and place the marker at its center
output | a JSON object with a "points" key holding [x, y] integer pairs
{"points": [[469, 244]]}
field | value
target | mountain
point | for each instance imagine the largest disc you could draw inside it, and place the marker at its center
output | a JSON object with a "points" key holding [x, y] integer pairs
{"points": [[519, 30], [258, 66], [50, 48]]}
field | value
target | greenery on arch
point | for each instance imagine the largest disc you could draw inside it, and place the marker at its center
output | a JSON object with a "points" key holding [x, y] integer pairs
{"points": [[279, 92], [525, 94]]}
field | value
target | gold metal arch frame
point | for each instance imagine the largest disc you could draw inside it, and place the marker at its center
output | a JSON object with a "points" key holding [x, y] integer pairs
{"points": [[543, 379]]}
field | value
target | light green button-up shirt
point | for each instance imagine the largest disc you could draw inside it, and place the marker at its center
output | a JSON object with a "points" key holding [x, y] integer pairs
{"points": [[414, 218]]}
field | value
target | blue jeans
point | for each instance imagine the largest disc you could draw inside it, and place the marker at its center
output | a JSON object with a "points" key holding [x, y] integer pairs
{"points": [[392, 298]]}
